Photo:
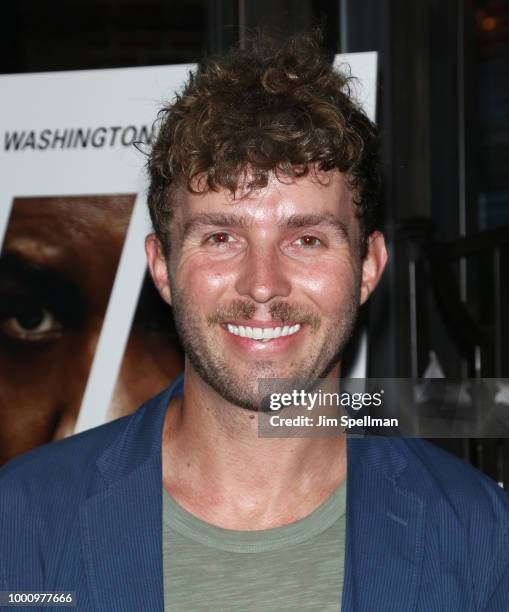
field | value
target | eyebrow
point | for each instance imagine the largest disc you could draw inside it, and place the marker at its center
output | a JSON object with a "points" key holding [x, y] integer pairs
{"points": [[217, 219], [291, 222], [24, 279], [317, 219]]}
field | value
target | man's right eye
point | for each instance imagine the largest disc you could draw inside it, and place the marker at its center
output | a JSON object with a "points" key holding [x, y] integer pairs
{"points": [[219, 238], [30, 323]]}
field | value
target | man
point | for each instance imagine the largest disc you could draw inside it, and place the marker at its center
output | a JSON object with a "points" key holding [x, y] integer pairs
{"points": [[263, 198], [57, 266]]}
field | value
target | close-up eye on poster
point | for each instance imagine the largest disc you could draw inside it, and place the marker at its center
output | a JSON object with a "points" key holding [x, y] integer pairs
{"points": [[254, 277]]}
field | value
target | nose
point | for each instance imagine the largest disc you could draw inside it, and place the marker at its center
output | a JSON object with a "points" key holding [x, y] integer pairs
{"points": [[262, 276]]}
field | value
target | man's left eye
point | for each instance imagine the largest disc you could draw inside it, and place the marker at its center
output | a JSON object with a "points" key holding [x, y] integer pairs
{"points": [[308, 241]]}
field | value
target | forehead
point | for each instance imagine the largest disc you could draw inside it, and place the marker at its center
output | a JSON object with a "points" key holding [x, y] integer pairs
{"points": [[75, 239], [73, 213], [68, 231], [327, 193]]}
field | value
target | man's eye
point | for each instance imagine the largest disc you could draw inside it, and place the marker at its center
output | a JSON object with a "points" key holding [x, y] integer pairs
{"points": [[308, 241], [220, 238], [30, 324]]}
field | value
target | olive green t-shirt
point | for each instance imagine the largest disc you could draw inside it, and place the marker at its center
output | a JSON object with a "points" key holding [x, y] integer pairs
{"points": [[295, 567]]}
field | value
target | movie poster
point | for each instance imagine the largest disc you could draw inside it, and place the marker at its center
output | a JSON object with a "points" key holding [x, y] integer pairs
{"points": [[84, 336]]}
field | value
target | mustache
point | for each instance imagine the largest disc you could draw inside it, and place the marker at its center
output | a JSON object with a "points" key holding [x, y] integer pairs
{"points": [[243, 310]]}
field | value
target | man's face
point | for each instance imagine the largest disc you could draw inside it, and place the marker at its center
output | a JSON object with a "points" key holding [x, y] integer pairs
{"points": [[265, 286], [57, 266]]}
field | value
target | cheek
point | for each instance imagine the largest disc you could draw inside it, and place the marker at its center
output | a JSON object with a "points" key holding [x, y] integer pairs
{"points": [[329, 285], [203, 280]]}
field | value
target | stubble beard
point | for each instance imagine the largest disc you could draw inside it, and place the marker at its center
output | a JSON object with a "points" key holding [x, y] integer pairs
{"points": [[232, 385]]}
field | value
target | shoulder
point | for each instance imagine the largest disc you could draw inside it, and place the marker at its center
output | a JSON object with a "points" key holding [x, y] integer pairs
{"points": [[467, 514], [438, 473], [64, 459], [125, 442], [63, 473], [40, 495], [53, 479], [44, 493], [441, 479], [423, 467]]}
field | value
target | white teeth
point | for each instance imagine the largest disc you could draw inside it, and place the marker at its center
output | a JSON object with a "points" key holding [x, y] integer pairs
{"points": [[262, 333]]}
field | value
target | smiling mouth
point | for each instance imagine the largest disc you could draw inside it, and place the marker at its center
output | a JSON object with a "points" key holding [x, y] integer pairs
{"points": [[262, 334]]}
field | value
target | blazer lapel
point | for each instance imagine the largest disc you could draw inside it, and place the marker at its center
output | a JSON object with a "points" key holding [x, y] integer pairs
{"points": [[122, 543], [384, 531], [121, 524]]}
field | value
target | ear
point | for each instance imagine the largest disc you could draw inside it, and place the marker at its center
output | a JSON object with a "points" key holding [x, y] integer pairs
{"points": [[157, 266], [373, 264]]}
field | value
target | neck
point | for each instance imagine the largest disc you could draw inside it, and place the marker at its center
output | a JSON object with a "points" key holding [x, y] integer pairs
{"points": [[217, 467]]}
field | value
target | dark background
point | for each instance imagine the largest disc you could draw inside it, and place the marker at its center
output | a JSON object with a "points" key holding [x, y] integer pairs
{"points": [[443, 110]]}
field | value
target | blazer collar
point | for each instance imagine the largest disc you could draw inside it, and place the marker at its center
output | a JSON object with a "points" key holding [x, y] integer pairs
{"points": [[141, 439], [122, 523], [384, 529]]}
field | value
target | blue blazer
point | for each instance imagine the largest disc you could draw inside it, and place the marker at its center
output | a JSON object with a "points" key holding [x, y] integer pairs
{"points": [[425, 531]]}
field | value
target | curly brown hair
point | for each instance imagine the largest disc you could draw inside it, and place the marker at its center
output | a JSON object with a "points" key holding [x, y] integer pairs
{"points": [[270, 107]]}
